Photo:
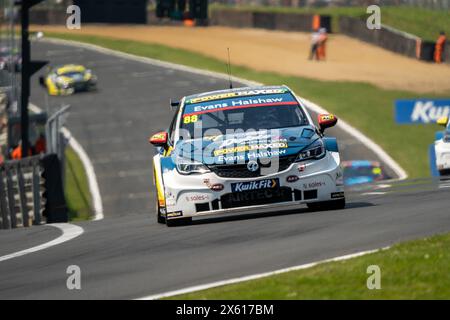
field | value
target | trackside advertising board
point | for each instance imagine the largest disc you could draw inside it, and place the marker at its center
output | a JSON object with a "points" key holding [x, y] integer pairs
{"points": [[421, 110]]}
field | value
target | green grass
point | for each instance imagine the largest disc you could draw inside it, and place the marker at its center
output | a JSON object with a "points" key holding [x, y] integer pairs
{"points": [[365, 106], [425, 23], [76, 188], [411, 270]]}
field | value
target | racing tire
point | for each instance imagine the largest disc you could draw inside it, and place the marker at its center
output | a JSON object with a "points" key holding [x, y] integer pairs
{"points": [[178, 222], [159, 217], [327, 205], [444, 173]]}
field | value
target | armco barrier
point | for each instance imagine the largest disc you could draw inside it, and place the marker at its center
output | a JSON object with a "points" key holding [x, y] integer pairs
{"points": [[231, 18], [447, 53], [385, 37], [31, 192], [267, 20], [48, 16]]}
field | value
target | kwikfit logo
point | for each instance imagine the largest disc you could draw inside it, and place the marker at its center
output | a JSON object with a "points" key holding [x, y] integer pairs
{"points": [[421, 110], [254, 185], [428, 112]]}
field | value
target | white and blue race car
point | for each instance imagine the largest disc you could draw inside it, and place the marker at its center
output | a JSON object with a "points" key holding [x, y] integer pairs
{"points": [[245, 150], [442, 147]]}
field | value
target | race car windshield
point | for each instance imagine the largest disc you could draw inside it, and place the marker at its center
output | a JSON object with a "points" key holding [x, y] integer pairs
{"points": [[72, 74], [251, 118]]}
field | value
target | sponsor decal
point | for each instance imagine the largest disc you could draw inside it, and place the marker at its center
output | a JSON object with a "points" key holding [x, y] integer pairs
{"points": [[252, 166], [262, 194], [217, 187], [326, 117], [197, 197], [314, 185], [174, 214], [336, 195], [292, 179], [251, 136], [255, 185], [251, 156], [237, 103], [281, 144], [301, 167], [421, 111], [235, 94]]}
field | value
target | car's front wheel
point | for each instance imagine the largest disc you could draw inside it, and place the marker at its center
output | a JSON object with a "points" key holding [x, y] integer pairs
{"points": [[161, 218], [327, 205]]}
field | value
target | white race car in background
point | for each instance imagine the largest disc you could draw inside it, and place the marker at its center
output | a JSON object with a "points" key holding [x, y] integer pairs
{"points": [[246, 150], [442, 148]]}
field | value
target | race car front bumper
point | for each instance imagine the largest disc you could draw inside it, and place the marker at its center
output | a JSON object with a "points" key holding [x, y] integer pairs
{"points": [[208, 194]]}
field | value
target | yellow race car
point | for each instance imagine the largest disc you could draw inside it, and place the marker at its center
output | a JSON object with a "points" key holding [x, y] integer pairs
{"points": [[68, 79]]}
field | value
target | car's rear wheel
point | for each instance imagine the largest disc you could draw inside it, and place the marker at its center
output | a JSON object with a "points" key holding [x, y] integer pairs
{"points": [[178, 222], [327, 205]]}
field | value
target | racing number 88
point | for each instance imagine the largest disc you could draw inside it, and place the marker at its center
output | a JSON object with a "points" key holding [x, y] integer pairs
{"points": [[190, 119]]}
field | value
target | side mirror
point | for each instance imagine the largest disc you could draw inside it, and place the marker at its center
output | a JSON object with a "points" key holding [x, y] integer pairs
{"points": [[159, 139], [326, 120], [174, 104], [442, 121]]}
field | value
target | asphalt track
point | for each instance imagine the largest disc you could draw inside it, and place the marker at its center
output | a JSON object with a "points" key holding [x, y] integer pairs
{"points": [[128, 255]]}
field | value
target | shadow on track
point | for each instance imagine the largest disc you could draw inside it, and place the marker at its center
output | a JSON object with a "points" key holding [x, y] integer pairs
{"points": [[252, 216]]}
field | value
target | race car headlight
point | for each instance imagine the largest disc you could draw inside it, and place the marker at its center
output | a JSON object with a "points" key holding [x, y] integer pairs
{"points": [[314, 151], [188, 166]]}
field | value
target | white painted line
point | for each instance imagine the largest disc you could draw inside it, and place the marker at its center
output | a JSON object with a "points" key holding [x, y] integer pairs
{"points": [[376, 193], [90, 173], [382, 186], [255, 276], [88, 168], [388, 160], [69, 232]]}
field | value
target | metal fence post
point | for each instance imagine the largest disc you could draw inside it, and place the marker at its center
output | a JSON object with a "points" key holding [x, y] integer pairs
{"points": [[23, 197], [11, 200], [3, 207], [36, 193]]}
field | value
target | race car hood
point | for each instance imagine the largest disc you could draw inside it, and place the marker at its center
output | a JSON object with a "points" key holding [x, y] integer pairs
{"points": [[229, 149]]}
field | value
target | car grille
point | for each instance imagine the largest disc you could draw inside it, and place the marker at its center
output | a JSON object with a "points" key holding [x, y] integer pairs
{"points": [[256, 197], [241, 171]]}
